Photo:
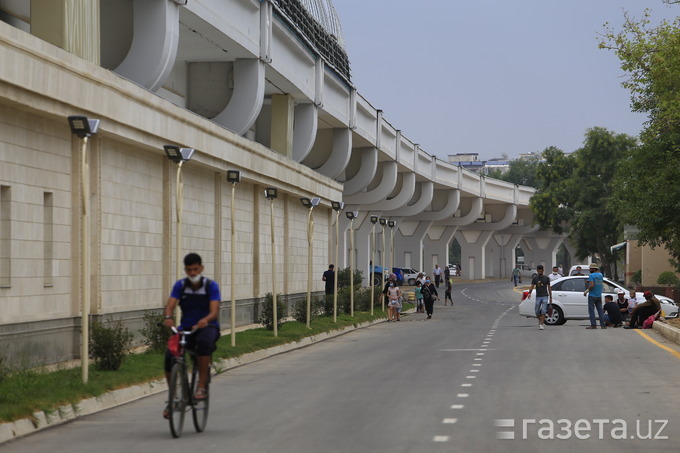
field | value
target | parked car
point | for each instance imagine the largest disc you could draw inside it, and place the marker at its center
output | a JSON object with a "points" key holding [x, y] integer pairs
{"points": [[526, 271], [585, 269], [410, 275], [453, 269], [570, 303]]}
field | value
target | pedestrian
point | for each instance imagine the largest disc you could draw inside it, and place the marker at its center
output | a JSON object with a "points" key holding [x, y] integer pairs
{"points": [[642, 311], [394, 301], [543, 295], [420, 307], [515, 275], [430, 294], [199, 299], [437, 272], [594, 293], [447, 273], [447, 292], [329, 278], [555, 274]]}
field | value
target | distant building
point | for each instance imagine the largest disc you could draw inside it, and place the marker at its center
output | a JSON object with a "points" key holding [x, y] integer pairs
{"points": [[463, 157]]}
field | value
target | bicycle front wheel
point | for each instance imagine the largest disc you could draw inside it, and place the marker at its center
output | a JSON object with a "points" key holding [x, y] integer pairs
{"points": [[199, 408], [178, 397]]}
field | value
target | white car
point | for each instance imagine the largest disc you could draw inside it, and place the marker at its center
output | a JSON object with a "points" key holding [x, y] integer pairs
{"points": [[526, 271], [570, 303], [409, 275]]}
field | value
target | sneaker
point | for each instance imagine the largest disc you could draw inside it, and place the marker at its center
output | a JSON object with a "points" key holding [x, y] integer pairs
{"points": [[541, 327]]}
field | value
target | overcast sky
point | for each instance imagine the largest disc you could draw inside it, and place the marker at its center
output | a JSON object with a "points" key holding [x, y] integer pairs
{"points": [[492, 76]]}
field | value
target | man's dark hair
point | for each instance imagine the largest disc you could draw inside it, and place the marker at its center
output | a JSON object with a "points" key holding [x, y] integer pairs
{"points": [[540, 266], [192, 258]]}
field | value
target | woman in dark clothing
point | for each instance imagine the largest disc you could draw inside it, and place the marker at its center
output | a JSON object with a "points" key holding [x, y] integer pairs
{"points": [[430, 294]]}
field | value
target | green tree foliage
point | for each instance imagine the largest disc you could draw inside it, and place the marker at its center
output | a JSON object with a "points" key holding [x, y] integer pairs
{"points": [[646, 193], [573, 191], [552, 204], [521, 172]]}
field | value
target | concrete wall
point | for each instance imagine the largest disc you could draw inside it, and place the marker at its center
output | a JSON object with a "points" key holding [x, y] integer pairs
{"points": [[132, 193]]}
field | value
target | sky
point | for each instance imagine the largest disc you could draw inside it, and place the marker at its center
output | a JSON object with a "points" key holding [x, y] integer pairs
{"points": [[492, 76]]}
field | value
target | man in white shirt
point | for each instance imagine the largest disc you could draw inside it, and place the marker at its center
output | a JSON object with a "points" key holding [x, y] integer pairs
{"points": [[555, 274], [437, 272]]}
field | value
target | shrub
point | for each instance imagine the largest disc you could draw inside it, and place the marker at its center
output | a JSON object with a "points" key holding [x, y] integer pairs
{"points": [[317, 306], [155, 334], [343, 278], [636, 278], [668, 278], [109, 344], [266, 317]]}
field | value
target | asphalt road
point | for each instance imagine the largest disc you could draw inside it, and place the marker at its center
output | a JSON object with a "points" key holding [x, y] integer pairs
{"points": [[475, 378]]}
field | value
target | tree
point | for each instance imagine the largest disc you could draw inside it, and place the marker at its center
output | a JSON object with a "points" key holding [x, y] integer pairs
{"points": [[645, 191], [552, 204], [573, 190]]}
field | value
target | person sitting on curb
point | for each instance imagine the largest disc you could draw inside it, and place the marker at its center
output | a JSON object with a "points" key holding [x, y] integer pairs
{"points": [[612, 313], [644, 310]]}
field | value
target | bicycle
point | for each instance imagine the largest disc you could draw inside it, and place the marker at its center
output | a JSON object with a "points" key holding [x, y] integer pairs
{"points": [[181, 390]]}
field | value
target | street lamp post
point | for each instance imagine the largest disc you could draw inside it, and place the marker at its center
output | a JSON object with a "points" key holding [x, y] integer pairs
{"points": [[309, 203], [271, 193], [374, 220], [179, 156], [391, 224], [338, 206], [351, 215], [383, 223], [234, 177], [84, 128]]}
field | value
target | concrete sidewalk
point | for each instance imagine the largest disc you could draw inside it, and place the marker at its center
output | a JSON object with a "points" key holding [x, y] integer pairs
{"points": [[66, 413]]}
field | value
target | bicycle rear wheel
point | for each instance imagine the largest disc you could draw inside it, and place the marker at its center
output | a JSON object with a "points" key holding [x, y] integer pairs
{"points": [[199, 408], [178, 398]]}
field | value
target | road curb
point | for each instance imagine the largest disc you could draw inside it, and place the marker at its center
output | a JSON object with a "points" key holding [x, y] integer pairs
{"points": [[69, 412], [667, 331]]}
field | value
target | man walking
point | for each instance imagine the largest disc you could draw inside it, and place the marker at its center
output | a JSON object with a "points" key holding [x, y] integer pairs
{"points": [[594, 293], [437, 272], [543, 295], [515, 275]]}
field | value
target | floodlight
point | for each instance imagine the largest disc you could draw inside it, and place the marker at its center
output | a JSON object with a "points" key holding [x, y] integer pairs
{"points": [[177, 154], [233, 176], [352, 214], [374, 219], [83, 127], [270, 193], [337, 205], [383, 222]]}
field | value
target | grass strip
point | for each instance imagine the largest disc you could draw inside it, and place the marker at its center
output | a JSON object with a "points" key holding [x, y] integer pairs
{"points": [[24, 392]]}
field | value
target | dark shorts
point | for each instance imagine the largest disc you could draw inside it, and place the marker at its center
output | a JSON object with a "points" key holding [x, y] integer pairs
{"points": [[203, 342]]}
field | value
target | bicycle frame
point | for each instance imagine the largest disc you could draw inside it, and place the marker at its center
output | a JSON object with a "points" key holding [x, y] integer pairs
{"points": [[181, 390]]}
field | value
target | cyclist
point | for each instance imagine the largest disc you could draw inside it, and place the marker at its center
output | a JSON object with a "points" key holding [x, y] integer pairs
{"points": [[199, 298]]}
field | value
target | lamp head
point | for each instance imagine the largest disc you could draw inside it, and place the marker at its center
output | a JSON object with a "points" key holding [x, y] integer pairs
{"points": [[310, 202], [374, 219], [337, 205], [233, 176], [177, 154], [383, 222], [270, 193], [352, 214], [82, 127], [391, 224]]}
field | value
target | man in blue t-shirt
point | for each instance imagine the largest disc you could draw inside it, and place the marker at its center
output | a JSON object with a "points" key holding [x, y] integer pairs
{"points": [[594, 293], [199, 299]]}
